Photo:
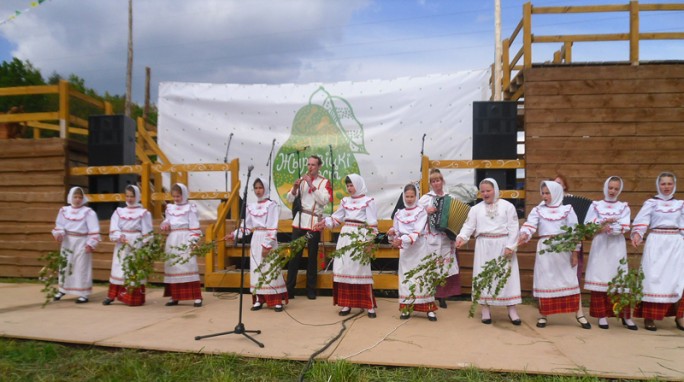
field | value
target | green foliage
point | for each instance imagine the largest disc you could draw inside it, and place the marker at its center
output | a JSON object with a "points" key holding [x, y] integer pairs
{"points": [[626, 288], [21, 73], [494, 274], [363, 245], [57, 267], [568, 240], [271, 266], [426, 277]]}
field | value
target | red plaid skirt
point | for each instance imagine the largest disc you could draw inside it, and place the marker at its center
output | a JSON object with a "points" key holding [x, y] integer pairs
{"points": [[601, 306], [556, 305], [657, 310], [425, 307], [680, 308], [118, 292], [271, 299], [451, 288], [354, 295], [184, 291]]}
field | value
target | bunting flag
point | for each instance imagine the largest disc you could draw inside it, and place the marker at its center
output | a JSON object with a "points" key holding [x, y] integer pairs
{"points": [[17, 13]]}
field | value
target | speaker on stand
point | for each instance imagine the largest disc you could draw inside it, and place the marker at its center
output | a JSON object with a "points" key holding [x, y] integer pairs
{"points": [[111, 142], [495, 136]]}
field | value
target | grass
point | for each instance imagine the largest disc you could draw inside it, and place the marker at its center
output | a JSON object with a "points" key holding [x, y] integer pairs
{"points": [[44, 361]]}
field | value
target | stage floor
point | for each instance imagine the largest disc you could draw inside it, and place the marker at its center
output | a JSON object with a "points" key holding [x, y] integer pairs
{"points": [[454, 341]]}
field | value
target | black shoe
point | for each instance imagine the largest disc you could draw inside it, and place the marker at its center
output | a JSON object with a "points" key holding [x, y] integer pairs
{"points": [[107, 301], [515, 322], [630, 327], [344, 312], [311, 295], [679, 326], [487, 321], [372, 315], [583, 322], [58, 296], [405, 316], [81, 300], [256, 307], [442, 303], [290, 295], [603, 326], [197, 304], [171, 303], [541, 322], [650, 325], [278, 308], [432, 317]]}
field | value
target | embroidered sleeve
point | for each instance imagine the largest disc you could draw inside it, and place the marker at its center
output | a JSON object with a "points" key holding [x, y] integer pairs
{"points": [[622, 224], [372, 214], [114, 229], [512, 227], [469, 225], [271, 239], [337, 217], [530, 226], [93, 228], [323, 193], [193, 224], [59, 224], [643, 219]]}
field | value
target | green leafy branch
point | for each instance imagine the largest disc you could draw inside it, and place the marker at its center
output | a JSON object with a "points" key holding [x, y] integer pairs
{"points": [[426, 277], [271, 266], [364, 243], [567, 240], [494, 275], [626, 288], [57, 266]]}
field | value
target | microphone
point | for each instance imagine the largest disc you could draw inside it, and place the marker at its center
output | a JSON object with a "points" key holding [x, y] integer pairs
{"points": [[230, 138], [249, 169]]}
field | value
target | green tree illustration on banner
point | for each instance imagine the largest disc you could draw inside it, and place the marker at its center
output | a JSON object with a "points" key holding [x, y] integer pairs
{"points": [[331, 123]]}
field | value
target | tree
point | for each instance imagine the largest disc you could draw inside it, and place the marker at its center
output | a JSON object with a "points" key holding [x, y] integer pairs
{"points": [[21, 73]]}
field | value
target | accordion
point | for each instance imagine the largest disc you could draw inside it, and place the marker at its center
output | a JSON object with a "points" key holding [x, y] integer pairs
{"points": [[449, 217], [580, 204]]}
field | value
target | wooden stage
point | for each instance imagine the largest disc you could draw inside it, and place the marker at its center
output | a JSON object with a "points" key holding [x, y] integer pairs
{"points": [[453, 342]]}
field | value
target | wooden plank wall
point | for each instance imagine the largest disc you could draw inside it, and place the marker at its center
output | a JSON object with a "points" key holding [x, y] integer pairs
{"points": [[590, 122]]}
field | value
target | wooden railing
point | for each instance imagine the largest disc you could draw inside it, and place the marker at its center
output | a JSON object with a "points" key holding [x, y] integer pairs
{"points": [[512, 81], [501, 164], [61, 120]]}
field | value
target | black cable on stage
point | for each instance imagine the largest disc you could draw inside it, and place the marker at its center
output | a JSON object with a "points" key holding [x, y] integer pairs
{"points": [[327, 345]]}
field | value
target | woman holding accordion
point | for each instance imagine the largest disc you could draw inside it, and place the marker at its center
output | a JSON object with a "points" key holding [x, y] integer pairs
{"points": [[495, 224], [438, 242]]}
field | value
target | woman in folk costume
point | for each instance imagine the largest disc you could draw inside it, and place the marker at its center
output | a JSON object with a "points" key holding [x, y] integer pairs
{"points": [[555, 274], [663, 258], [353, 281], [262, 222], [438, 242], [130, 228], [407, 234], [181, 279], [494, 222], [607, 250], [78, 229]]}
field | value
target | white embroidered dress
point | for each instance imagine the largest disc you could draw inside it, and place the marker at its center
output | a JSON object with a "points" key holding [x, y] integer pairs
{"points": [[78, 227], [185, 230], [554, 276], [354, 212], [495, 231], [663, 258], [607, 248], [135, 223], [438, 242], [409, 224]]}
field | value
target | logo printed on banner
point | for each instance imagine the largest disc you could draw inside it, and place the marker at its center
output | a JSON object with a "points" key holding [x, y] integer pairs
{"points": [[326, 121]]}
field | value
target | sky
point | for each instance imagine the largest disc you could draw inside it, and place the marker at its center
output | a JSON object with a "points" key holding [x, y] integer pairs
{"points": [[295, 41]]}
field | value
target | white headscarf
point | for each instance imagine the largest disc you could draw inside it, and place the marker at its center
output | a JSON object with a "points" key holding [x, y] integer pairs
{"points": [[184, 192], [605, 189], [403, 196], [267, 189], [359, 184], [674, 189], [136, 192], [70, 196], [556, 191], [495, 185]]}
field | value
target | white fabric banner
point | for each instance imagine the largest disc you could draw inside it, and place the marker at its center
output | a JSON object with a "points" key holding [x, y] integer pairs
{"points": [[373, 128]]}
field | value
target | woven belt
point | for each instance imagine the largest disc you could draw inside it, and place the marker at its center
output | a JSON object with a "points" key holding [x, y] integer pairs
{"points": [[492, 235]]}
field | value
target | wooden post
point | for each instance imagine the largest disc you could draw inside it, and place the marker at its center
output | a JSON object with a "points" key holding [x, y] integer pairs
{"points": [[146, 110], [145, 186], [497, 50], [527, 34], [505, 58], [568, 51], [63, 87], [108, 110], [634, 32], [557, 57], [425, 176]]}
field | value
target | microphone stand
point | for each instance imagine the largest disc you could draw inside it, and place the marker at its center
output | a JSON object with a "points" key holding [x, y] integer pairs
{"points": [[225, 159], [240, 327], [332, 180], [270, 166]]}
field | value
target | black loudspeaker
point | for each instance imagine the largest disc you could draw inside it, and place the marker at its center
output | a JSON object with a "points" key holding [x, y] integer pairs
{"points": [[495, 136], [111, 142]]}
